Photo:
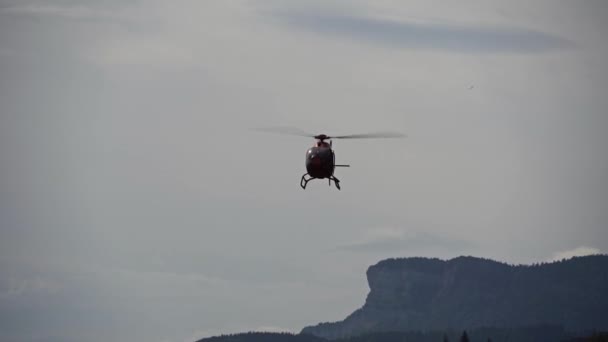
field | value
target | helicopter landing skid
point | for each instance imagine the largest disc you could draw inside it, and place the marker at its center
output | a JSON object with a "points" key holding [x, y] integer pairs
{"points": [[336, 181], [304, 181]]}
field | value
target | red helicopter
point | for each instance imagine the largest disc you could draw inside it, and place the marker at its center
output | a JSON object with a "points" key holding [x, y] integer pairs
{"points": [[320, 158]]}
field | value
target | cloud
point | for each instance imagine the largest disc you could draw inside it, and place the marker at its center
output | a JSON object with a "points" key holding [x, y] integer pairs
{"points": [[149, 52], [18, 287], [396, 240], [4, 52], [426, 35], [273, 329], [157, 284], [578, 251], [199, 334], [54, 10]]}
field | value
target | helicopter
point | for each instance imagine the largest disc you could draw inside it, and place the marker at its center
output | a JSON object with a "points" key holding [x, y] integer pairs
{"points": [[321, 158]]}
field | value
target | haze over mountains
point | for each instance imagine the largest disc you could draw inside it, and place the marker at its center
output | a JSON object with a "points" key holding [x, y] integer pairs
{"points": [[427, 299], [414, 294]]}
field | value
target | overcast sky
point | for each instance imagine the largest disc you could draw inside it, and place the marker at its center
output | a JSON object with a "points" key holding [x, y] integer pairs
{"points": [[137, 203]]}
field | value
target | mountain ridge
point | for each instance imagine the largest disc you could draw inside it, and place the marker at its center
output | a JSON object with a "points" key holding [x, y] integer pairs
{"points": [[424, 294]]}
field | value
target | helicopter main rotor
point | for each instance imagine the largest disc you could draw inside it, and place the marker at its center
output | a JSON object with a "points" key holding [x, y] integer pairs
{"points": [[322, 137]]}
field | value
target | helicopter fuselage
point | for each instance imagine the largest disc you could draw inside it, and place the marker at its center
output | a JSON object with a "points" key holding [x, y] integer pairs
{"points": [[320, 161]]}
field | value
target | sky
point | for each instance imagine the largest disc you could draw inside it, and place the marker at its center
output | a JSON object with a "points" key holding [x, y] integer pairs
{"points": [[139, 203]]}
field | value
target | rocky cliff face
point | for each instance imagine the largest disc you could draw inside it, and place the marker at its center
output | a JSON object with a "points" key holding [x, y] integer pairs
{"points": [[466, 293]]}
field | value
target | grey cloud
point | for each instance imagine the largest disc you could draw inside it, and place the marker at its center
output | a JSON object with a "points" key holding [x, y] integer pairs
{"points": [[439, 36], [135, 207], [399, 242], [578, 251], [14, 287]]}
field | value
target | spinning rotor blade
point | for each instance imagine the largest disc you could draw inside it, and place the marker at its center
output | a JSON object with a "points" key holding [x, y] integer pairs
{"points": [[370, 135], [298, 132], [285, 130]]}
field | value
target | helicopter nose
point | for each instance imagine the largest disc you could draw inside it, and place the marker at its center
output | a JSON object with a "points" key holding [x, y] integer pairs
{"points": [[314, 165], [315, 161]]}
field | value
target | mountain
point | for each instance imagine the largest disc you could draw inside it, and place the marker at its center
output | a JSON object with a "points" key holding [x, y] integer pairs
{"points": [[263, 337], [422, 294], [544, 333]]}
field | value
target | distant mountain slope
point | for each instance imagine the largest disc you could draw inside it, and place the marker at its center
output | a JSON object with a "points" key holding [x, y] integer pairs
{"points": [[264, 337], [544, 333], [466, 293]]}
